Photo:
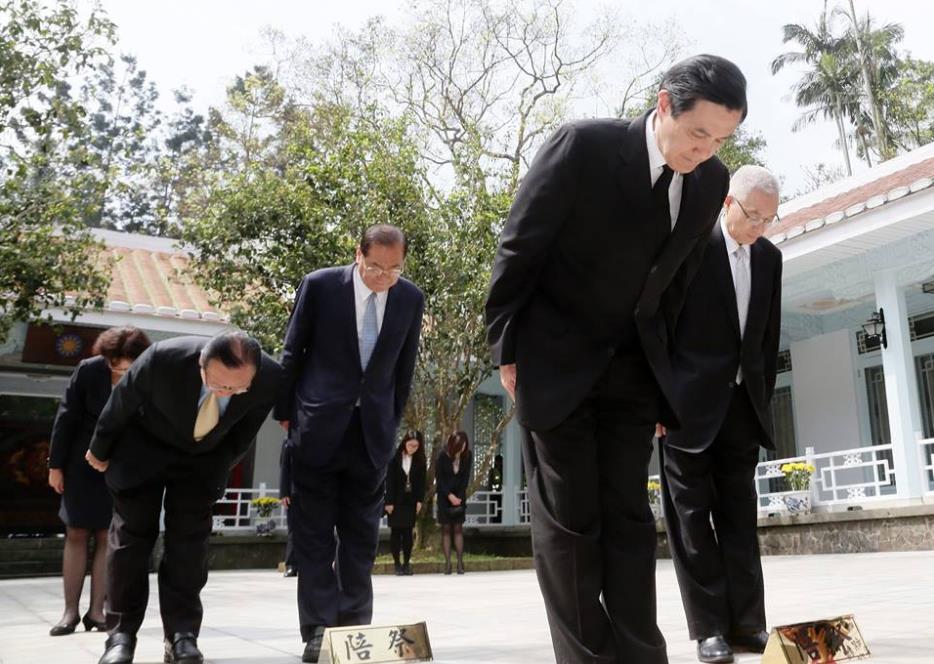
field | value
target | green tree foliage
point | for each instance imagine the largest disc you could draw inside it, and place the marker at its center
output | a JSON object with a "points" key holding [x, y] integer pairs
{"points": [[117, 146], [44, 244], [263, 228]]}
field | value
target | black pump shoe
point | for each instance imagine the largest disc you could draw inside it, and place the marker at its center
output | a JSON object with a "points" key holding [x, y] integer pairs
{"points": [[63, 628]]}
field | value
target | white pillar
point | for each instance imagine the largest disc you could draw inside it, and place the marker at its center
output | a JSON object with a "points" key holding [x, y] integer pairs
{"points": [[901, 386], [512, 472]]}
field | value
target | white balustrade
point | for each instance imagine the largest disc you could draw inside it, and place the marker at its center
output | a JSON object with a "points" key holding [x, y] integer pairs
{"points": [[856, 477]]}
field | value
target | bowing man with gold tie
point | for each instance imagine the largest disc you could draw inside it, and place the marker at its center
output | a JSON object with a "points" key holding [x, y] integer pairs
{"points": [[184, 414]]}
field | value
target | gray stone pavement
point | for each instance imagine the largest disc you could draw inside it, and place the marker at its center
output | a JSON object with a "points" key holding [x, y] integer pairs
{"points": [[493, 616]]}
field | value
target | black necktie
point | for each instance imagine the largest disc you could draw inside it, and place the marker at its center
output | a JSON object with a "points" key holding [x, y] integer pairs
{"points": [[660, 197]]}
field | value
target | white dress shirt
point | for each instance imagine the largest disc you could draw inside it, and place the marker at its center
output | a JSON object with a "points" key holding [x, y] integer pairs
{"points": [[361, 292], [742, 307], [656, 165], [406, 463]]}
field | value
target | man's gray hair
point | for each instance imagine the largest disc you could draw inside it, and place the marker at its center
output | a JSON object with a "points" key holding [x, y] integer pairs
{"points": [[750, 178]]}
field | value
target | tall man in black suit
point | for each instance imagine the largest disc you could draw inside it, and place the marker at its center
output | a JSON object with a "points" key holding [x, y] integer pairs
{"points": [[602, 239], [184, 414], [723, 364], [349, 357]]}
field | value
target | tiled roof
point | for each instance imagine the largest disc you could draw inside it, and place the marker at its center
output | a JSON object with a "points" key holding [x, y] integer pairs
{"points": [[848, 204], [149, 276], [154, 282]]}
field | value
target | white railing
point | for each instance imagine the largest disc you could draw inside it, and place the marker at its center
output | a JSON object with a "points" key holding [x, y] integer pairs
{"points": [[926, 446], [485, 508], [848, 477], [525, 508], [842, 478], [235, 513]]}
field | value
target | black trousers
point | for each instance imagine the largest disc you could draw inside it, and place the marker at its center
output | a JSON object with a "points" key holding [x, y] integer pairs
{"points": [[400, 541], [335, 534], [593, 534], [189, 503], [718, 566]]}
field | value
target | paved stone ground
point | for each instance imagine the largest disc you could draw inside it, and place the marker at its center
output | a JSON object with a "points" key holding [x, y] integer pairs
{"points": [[250, 617]]}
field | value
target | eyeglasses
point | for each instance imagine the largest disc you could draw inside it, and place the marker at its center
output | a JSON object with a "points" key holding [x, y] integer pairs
{"points": [[758, 221], [378, 272], [233, 389], [227, 388]]}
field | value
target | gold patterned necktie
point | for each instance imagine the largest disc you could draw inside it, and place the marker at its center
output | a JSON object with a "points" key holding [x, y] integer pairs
{"points": [[208, 415]]}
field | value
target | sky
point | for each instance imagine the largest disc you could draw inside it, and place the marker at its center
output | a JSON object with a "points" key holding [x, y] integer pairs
{"points": [[202, 44]]}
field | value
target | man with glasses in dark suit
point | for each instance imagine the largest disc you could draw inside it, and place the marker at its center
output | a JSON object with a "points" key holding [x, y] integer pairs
{"points": [[724, 354], [175, 425], [348, 358]]}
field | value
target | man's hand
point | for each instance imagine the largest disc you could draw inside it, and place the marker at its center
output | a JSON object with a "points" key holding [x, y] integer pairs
{"points": [[57, 479], [507, 376], [284, 424], [388, 509], [660, 430], [454, 500], [418, 507], [285, 500], [96, 463]]}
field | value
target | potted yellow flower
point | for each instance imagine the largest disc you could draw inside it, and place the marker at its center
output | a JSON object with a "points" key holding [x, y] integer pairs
{"points": [[264, 507], [798, 476], [655, 498]]}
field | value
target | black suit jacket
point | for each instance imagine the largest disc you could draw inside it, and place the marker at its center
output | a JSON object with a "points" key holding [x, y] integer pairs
{"points": [[582, 272], [321, 361], [149, 420], [85, 397], [395, 483], [707, 347]]}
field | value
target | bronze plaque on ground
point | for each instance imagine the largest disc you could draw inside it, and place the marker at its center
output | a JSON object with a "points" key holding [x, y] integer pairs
{"points": [[817, 642], [376, 644]]}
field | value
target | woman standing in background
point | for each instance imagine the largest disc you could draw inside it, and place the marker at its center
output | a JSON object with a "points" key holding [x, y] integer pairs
{"points": [[405, 492], [452, 476]]}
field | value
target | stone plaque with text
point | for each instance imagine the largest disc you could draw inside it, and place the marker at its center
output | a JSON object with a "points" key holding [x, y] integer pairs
{"points": [[376, 644]]}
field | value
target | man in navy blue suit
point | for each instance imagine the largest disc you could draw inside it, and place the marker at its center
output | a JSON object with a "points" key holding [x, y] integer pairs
{"points": [[348, 362]]}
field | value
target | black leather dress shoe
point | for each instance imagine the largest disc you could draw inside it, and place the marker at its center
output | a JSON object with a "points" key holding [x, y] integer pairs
{"points": [[313, 646], [290, 572], [118, 649], [714, 649], [183, 649], [751, 641]]}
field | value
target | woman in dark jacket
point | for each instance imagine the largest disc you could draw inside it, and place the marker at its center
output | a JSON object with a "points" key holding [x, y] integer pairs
{"points": [[452, 475], [86, 505], [405, 492]]}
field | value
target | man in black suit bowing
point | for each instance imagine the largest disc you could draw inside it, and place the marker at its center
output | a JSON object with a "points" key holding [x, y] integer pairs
{"points": [[184, 414], [348, 357], [723, 362], [604, 235]]}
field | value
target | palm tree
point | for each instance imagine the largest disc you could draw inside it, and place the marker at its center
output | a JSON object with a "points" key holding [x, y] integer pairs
{"points": [[825, 90], [877, 60]]}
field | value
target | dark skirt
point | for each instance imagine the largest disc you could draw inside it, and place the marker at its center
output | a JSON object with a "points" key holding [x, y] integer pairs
{"points": [[86, 502], [403, 516], [445, 517]]}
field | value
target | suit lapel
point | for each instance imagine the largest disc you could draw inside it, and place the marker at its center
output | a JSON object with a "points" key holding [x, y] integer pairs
{"points": [[347, 310], [189, 395], [759, 298], [635, 180], [724, 276], [390, 317]]}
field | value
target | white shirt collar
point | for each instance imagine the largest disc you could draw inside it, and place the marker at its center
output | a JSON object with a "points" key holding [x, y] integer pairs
{"points": [[731, 244], [656, 158]]}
